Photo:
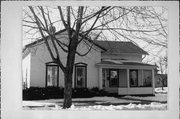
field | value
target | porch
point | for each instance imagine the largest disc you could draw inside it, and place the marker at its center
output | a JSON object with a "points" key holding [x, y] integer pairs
{"points": [[127, 78]]}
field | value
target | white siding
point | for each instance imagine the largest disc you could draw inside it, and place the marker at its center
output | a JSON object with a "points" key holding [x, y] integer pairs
{"points": [[26, 70], [91, 59], [40, 56]]}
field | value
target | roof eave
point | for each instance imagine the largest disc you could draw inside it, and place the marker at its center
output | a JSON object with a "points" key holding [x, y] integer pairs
{"points": [[126, 53], [122, 65]]}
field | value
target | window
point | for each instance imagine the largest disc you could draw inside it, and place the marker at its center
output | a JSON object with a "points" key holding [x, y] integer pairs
{"points": [[52, 75], [114, 78], [133, 77], [147, 79], [80, 75], [104, 75]]}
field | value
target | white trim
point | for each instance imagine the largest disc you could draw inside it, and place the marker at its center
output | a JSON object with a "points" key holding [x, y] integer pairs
{"points": [[100, 78], [125, 66], [142, 77], [125, 53], [128, 81], [153, 81]]}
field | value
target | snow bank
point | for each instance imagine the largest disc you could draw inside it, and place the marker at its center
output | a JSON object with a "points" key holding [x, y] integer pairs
{"points": [[96, 99], [131, 106], [156, 98], [102, 103], [36, 104], [159, 90], [152, 106]]}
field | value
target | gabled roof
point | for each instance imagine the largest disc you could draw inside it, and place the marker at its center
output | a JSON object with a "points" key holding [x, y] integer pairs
{"points": [[110, 47], [40, 40], [120, 47], [61, 31]]}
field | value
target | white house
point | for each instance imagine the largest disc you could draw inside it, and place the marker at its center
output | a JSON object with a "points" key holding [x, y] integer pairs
{"points": [[113, 66]]}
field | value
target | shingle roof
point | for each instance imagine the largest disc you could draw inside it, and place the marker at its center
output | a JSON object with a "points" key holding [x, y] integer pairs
{"points": [[124, 63], [119, 47]]}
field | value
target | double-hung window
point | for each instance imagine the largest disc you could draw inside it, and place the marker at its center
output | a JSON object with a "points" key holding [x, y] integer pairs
{"points": [[52, 75]]}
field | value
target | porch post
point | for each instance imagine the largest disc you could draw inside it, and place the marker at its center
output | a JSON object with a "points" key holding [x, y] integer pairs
{"points": [[100, 77], [153, 81], [142, 77], [128, 81]]}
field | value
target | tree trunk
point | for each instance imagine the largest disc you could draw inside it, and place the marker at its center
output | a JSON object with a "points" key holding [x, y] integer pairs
{"points": [[69, 72], [162, 84], [67, 91]]}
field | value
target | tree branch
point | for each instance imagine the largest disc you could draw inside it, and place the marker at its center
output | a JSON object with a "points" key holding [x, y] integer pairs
{"points": [[94, 14], [79, 20], [45, 38], [112, 20], [88, 31], [44, 17], [62, 17], [129, 30]]}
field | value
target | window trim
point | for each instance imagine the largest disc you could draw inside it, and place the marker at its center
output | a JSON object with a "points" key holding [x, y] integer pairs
{"points": [[55, 65], [80, 64]]}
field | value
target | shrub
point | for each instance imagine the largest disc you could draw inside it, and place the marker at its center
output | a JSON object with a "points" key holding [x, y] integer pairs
{"points": [[37, 93], [81, 93]]}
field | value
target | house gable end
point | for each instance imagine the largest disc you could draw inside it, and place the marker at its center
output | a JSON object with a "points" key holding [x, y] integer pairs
{"points": [[41, 41]]}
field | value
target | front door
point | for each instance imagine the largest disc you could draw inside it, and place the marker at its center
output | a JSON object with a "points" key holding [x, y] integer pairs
{"points": [[80, 76]]}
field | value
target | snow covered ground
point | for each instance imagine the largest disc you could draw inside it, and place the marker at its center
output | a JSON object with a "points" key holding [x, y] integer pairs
{"points": [[159, 90], [131, 106], [162, 98], [157, 102]]}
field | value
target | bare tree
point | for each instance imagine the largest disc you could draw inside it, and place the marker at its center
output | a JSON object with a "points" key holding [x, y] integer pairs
{"points": [[162, 65], [126, 23]]}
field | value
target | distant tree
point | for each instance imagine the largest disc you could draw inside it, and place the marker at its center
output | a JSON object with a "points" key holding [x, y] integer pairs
{"points": [[162, 68], [147, 24], [162, 64]]}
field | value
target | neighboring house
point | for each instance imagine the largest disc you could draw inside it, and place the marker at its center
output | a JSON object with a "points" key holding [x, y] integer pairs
{"points": [[113, 66]]}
